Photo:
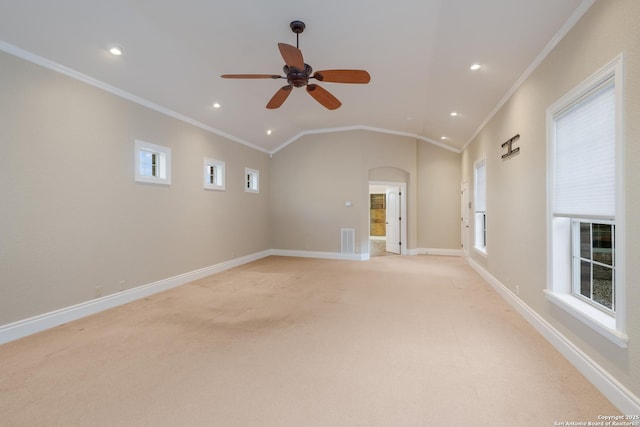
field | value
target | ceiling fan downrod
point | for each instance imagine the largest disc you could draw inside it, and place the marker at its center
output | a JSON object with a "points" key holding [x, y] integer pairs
{"points": [[297, 27]]}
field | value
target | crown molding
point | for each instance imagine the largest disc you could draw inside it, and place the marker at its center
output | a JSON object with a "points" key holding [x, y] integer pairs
{"points": [[562, 32], [69, 72]]}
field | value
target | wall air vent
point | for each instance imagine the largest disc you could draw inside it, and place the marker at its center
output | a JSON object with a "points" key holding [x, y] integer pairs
{"points": [[347, 240]]}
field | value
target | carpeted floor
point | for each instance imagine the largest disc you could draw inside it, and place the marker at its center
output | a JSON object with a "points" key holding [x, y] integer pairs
{"points": [[395, 341]]}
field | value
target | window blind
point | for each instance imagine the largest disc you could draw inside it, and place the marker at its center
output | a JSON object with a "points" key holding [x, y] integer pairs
{"points": [[585, 156]]}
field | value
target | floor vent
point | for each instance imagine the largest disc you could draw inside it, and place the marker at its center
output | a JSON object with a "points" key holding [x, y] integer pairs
{"points": [[347, 240]]}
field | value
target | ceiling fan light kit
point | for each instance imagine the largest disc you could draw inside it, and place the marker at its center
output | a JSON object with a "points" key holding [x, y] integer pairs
{"points": [[298, 73]]}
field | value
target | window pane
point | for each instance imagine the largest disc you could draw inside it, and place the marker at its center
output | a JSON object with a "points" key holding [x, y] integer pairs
{"points": [[585, 279], [215, 175], [602, 243], [484, 229], [480, 230], [154, 164], [481, 187], [146, 163], [162, 165], [603, 285], [585, 240]]}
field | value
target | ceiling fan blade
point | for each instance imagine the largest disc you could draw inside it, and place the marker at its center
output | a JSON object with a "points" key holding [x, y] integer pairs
{"points": [[280, 96], [323, 97], [342, 76], [250, 76], [292, 56]]}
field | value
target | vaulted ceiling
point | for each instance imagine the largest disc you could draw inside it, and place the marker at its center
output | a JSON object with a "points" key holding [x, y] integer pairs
{"points": [[418, 53]]}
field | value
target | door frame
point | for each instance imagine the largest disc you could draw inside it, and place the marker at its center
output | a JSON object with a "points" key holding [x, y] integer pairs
{"points": [[403, 209]]}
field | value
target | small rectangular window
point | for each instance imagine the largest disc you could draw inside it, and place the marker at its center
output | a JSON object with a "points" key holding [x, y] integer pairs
{"points": [[252, 180], [152, 163], [214, 174]]}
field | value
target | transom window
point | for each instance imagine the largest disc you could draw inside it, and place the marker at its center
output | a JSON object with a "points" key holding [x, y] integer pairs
{"points": [[152, 163], [252, 180], [214, 174]]}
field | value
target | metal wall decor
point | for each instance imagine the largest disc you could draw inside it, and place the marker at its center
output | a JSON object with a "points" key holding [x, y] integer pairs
{"points": [[510, 149]]}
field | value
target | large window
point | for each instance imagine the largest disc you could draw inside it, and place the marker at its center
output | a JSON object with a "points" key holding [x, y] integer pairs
{"points": [[480, 205], [586, 275]]}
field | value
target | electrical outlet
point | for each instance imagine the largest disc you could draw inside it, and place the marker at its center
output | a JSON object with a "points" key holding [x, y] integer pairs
{"points": [[98, 291], [517, 289], [123, 284]]}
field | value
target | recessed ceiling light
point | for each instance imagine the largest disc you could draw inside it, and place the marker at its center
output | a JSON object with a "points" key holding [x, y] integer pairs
{"points": [[269, 131], [453, 114], [443, 138], [116, 50], [475, 67], [216, 105]]}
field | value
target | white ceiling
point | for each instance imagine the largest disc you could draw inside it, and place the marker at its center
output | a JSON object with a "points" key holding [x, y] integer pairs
{"points": [[418, 53]]}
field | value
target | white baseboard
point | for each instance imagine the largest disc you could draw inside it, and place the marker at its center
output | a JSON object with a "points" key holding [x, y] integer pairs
{"points": [[361, 256], [436, 251], [322, 255], [617, 393], [23, 328]]}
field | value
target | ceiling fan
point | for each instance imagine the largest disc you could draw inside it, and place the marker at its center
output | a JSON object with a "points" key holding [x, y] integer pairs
{"points": [[298, 74]]}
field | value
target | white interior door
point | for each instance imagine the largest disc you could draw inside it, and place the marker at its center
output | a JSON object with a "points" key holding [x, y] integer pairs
{"points": [[393, 220], [465, 206]]}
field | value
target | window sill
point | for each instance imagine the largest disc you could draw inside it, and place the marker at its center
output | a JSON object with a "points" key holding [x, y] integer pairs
{"points": [[481, 251], [152, 180], [597, 320]]}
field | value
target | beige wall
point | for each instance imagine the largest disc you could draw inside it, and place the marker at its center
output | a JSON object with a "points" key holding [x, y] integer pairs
{"points": [[516, 188], [72, 217], [438, 197], [313, 177]]}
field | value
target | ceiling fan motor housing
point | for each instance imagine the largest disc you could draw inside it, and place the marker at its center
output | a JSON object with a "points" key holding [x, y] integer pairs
{"points": [[298, 78]]}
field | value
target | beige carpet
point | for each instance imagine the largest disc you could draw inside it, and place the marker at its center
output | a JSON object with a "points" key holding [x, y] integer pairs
{"points": [[396, 341]]}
